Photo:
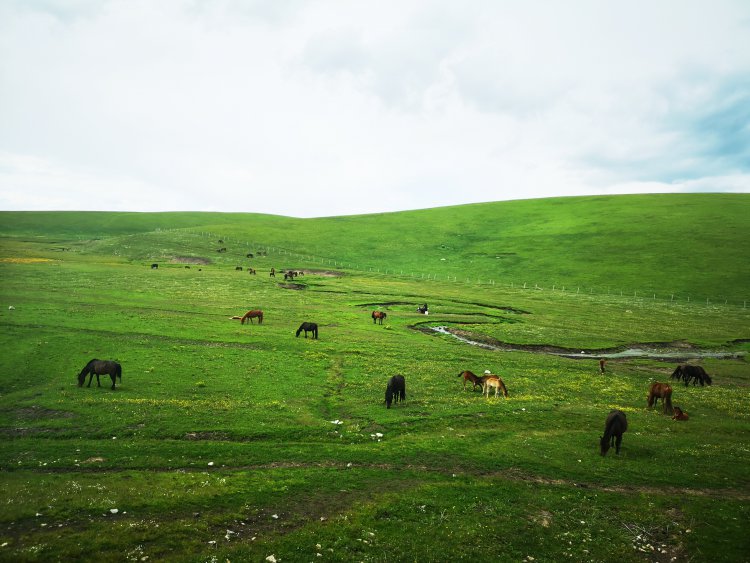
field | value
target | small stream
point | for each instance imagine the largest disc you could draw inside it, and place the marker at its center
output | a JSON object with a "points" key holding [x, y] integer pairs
{"points": [[666, 354]]}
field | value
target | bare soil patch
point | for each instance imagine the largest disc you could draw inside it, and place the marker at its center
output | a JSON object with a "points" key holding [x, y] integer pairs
{"points": [[190, 260]]}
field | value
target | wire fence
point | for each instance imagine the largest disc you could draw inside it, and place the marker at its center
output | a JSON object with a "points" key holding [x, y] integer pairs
{"points": [[641, 296]]}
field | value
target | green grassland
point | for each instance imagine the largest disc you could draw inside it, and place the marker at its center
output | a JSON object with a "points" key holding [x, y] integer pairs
{"points": [[231, 442]]}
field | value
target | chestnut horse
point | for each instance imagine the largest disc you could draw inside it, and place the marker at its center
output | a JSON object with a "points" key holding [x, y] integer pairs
{"points": [[661, 391], [493, 381], [679, 415], [614, 428], [470, 376], [378, 316], [254, 314]]}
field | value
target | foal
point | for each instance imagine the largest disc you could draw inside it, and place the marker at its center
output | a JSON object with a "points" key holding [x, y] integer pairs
{"points": [[470, 376], [493, 381]]}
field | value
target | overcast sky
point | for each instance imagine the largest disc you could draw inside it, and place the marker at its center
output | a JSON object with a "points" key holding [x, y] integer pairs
{"points": [[318, 108]]}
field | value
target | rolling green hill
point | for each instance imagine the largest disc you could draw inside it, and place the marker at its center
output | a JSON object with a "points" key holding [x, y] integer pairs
{"points": [[673, 246], [232, 442]]}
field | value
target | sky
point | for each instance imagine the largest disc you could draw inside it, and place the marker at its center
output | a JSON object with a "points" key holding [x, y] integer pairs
{"points": [[323, 108]]}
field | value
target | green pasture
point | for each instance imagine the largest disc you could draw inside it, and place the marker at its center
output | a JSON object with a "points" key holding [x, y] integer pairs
{"points": [[226, 442]]}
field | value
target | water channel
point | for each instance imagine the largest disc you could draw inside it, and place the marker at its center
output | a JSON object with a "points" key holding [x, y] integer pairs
{"points": [[661, 353]]}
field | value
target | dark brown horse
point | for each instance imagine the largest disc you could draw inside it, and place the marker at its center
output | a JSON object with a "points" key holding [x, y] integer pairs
{"points": [[470, 376], [661, 391], [688, 372], [254, 314], [395, 391], [378, 316], [614, 428], [100, 367]]}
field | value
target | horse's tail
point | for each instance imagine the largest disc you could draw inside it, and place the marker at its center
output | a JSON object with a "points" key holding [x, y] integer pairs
{"points": [[650, 398], [118, 372]]}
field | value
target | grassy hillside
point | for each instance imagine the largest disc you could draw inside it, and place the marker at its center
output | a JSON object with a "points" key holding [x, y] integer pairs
{"points": [[686, 246], [231, 442]]}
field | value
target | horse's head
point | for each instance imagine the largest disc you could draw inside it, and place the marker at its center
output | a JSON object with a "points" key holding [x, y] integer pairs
{"points": [[707, 379], [604, 444], [82, 377]]}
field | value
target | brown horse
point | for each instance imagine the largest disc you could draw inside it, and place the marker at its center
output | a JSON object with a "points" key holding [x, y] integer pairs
{"points": [[661, 391], [493, 381], [378, 316], [254, 314], [470, 376], [100, 367], [679, 415]]}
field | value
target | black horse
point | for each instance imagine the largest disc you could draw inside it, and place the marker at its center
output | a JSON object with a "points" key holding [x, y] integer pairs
{"points": [[616, 424], [395, 391], [696, 373], [154, 266], [308, 327], [422, 309], [100, 367]]}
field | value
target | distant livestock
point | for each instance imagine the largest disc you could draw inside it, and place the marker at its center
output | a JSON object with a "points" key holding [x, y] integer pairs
{"points": [[614, 428], [100, 367], [378, 316], [661, 391], [489, 381], [679, 414], [254, 314], [470, 376], [395, 391], [308, 327], [688, 372], [154, 266]]}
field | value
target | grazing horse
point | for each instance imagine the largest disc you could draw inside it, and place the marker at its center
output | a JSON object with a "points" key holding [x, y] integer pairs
{"points": [[100, 367], [308, 327], [423, 309], [688, 372], [614, 427], [254, 314], [395, 391], [378, 316], [470, 376], [273, 273], [679, 415], [661, 391], [238, 269], [154, 266], [493, 381]]}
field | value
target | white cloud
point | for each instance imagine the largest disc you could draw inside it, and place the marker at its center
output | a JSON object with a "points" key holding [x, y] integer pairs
{"points": [[325, 108]]}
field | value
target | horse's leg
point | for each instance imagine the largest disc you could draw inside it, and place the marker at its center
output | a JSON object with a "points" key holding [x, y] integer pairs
{"points": [[91, 376], [98, 383], [114, 377]]}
